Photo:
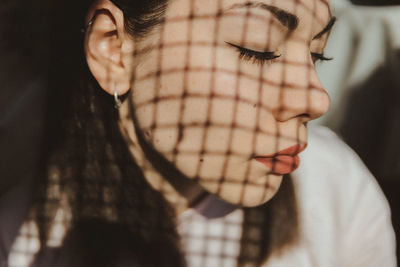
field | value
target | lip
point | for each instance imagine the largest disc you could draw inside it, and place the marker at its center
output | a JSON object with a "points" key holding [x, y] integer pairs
{"points": [[283, 162]]}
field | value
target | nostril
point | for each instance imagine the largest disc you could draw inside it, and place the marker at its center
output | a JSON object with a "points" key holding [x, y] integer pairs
{"points": [[304, 115], [282, 115]]}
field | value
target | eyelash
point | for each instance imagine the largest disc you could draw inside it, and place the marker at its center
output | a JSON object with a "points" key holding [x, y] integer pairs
{"points": [[320, 57], [257, 57], [268, 57]]}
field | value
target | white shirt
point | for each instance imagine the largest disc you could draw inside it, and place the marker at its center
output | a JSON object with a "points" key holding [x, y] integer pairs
{"points": [[344, 217]]}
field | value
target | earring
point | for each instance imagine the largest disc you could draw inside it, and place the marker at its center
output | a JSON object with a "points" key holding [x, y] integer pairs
{"points": [[87, 26], [117, 101]]}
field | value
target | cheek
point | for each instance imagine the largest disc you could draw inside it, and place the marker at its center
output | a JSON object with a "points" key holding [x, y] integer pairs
{"points": [[209, 121], [209, 129]]}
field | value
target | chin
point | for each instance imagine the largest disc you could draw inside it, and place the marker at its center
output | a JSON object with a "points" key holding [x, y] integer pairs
{"points": [[257, 197], [250, 195]]}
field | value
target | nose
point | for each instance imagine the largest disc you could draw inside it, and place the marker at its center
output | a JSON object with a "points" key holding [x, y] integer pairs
{"points": [[303, 97]]}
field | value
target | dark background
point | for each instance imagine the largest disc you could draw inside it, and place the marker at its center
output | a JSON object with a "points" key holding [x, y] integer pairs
{"points": [[376, 2]]}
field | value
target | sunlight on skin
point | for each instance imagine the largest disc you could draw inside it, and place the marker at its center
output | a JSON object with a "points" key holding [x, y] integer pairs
{"points": [[208, 100]]}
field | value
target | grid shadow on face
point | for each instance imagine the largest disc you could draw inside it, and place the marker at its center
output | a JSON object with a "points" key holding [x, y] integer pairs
{"points": [[224, 85], [228, 85]]}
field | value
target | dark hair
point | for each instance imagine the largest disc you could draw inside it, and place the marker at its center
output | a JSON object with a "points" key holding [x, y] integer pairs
{"points": [[116, 215]]}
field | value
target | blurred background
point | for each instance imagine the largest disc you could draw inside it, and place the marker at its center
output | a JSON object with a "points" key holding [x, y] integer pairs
{"points": [[363, 81]]}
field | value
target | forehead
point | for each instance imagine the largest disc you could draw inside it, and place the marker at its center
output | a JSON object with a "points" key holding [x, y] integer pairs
{"points": [[316, 10]]}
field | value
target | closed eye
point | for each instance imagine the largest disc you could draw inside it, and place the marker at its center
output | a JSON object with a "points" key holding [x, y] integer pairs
{"points": [[267, 56], [319, 57], [254, 56]]}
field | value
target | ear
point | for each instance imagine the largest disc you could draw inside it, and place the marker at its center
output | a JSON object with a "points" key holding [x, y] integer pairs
{"points": [[108, 48]]}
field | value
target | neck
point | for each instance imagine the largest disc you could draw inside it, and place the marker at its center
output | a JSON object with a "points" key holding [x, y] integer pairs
{"points": [[182, 193]]}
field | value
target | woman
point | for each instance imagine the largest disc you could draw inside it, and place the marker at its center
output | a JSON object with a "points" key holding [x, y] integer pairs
{"points": [[179, 133]]}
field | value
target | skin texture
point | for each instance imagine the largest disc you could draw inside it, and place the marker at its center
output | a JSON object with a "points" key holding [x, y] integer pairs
{"points": [[203, 107]]}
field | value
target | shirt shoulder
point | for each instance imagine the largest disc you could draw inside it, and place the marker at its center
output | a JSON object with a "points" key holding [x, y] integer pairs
{"points": [[342, 206]]}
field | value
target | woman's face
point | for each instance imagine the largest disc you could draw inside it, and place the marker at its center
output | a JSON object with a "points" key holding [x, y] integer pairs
{"points": [[228, 88]]}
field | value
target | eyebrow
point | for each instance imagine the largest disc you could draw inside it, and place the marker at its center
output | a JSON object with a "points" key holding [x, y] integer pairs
{"points": [[287, 19], [327, 28]]}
